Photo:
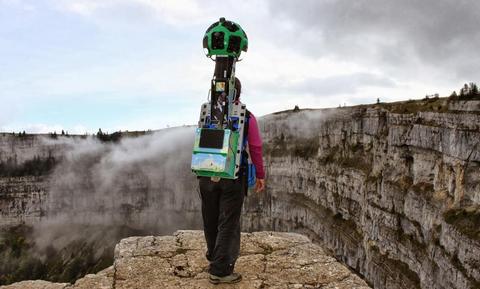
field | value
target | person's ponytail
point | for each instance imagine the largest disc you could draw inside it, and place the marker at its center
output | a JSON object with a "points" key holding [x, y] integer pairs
{"points": [[238, 87]]}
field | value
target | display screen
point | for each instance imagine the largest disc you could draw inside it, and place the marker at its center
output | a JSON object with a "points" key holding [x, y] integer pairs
{"points": [[220, 86], [211, 138]]}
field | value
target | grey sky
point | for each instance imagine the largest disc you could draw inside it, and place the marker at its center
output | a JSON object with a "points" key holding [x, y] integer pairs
{"points": [[397, 35], [139, 64]]}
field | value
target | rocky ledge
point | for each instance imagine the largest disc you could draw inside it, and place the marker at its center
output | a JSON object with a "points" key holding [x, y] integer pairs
{"points": [[268, 260]]}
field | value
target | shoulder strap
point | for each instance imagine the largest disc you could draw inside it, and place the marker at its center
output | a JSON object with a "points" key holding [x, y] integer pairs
{"points": [[245, 138], [245, 127], [244, 155]]}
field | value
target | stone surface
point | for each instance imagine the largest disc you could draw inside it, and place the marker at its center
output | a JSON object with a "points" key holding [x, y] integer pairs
{"points": [[472, 105], [36, 284], [371, 186], [22, 199], [267, 260], [375, 188], [101, 280]]}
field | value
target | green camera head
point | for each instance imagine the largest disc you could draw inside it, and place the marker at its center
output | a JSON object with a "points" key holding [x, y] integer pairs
{"points": [[225, 38]]}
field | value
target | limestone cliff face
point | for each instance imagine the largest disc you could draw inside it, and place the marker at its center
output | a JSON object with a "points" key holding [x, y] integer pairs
{"points": [[391, 190], [395, 196], [22, 199], [22, 190], [267, 260]]}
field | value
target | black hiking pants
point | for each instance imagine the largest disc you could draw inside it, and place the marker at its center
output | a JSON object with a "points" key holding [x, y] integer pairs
{"points": [[221, 208]]}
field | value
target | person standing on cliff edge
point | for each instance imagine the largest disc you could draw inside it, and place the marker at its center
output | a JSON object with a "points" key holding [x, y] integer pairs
{"points": [[222, 206]]}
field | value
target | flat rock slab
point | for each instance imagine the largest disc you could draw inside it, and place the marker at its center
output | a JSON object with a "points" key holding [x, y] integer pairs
{"points": [[36, 284], [267, 260], [101, 280]]}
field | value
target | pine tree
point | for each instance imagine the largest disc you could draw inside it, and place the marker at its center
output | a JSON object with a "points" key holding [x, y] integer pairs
{"points": [[473, 88], [454, 95]]}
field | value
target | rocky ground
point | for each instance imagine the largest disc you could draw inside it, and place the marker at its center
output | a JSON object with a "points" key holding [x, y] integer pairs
{"points": [[268, 260]]}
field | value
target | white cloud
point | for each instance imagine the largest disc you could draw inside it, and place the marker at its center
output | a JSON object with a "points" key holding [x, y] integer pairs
{"points": [[288, 62], [34, 128], [47, 128], [172, 12], [177, 12], [78, 129], [85, 7]]}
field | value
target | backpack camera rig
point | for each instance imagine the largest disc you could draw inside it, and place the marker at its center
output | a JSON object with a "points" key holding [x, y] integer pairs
{"points": [[219, 137]]}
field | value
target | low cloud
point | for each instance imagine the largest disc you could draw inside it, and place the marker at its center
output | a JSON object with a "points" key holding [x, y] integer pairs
{"points": [[141, 184]]}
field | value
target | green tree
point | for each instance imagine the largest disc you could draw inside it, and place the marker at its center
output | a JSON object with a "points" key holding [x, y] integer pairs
{"points": [[473, 88], [454, 95]]}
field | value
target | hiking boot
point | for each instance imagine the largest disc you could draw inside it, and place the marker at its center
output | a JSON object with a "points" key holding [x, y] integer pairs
{"points": [[229, 279]]}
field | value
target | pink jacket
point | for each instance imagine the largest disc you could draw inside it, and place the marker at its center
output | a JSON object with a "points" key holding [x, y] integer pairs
{"points": [[255, 146]]}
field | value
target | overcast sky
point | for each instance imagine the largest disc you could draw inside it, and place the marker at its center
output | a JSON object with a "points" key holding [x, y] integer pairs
{"points": [[139, 64]]}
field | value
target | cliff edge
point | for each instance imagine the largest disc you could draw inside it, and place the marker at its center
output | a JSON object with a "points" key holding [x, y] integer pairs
{"points": [[268, 260]]}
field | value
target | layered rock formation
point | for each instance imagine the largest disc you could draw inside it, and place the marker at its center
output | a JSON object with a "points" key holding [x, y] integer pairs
{"points": [[267, 260], [23, 199], [23, 190], [391, 190], [395, 196]]}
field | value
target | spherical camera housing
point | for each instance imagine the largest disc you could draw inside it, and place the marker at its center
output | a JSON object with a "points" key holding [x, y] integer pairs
{"points": [[225, 38]]}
